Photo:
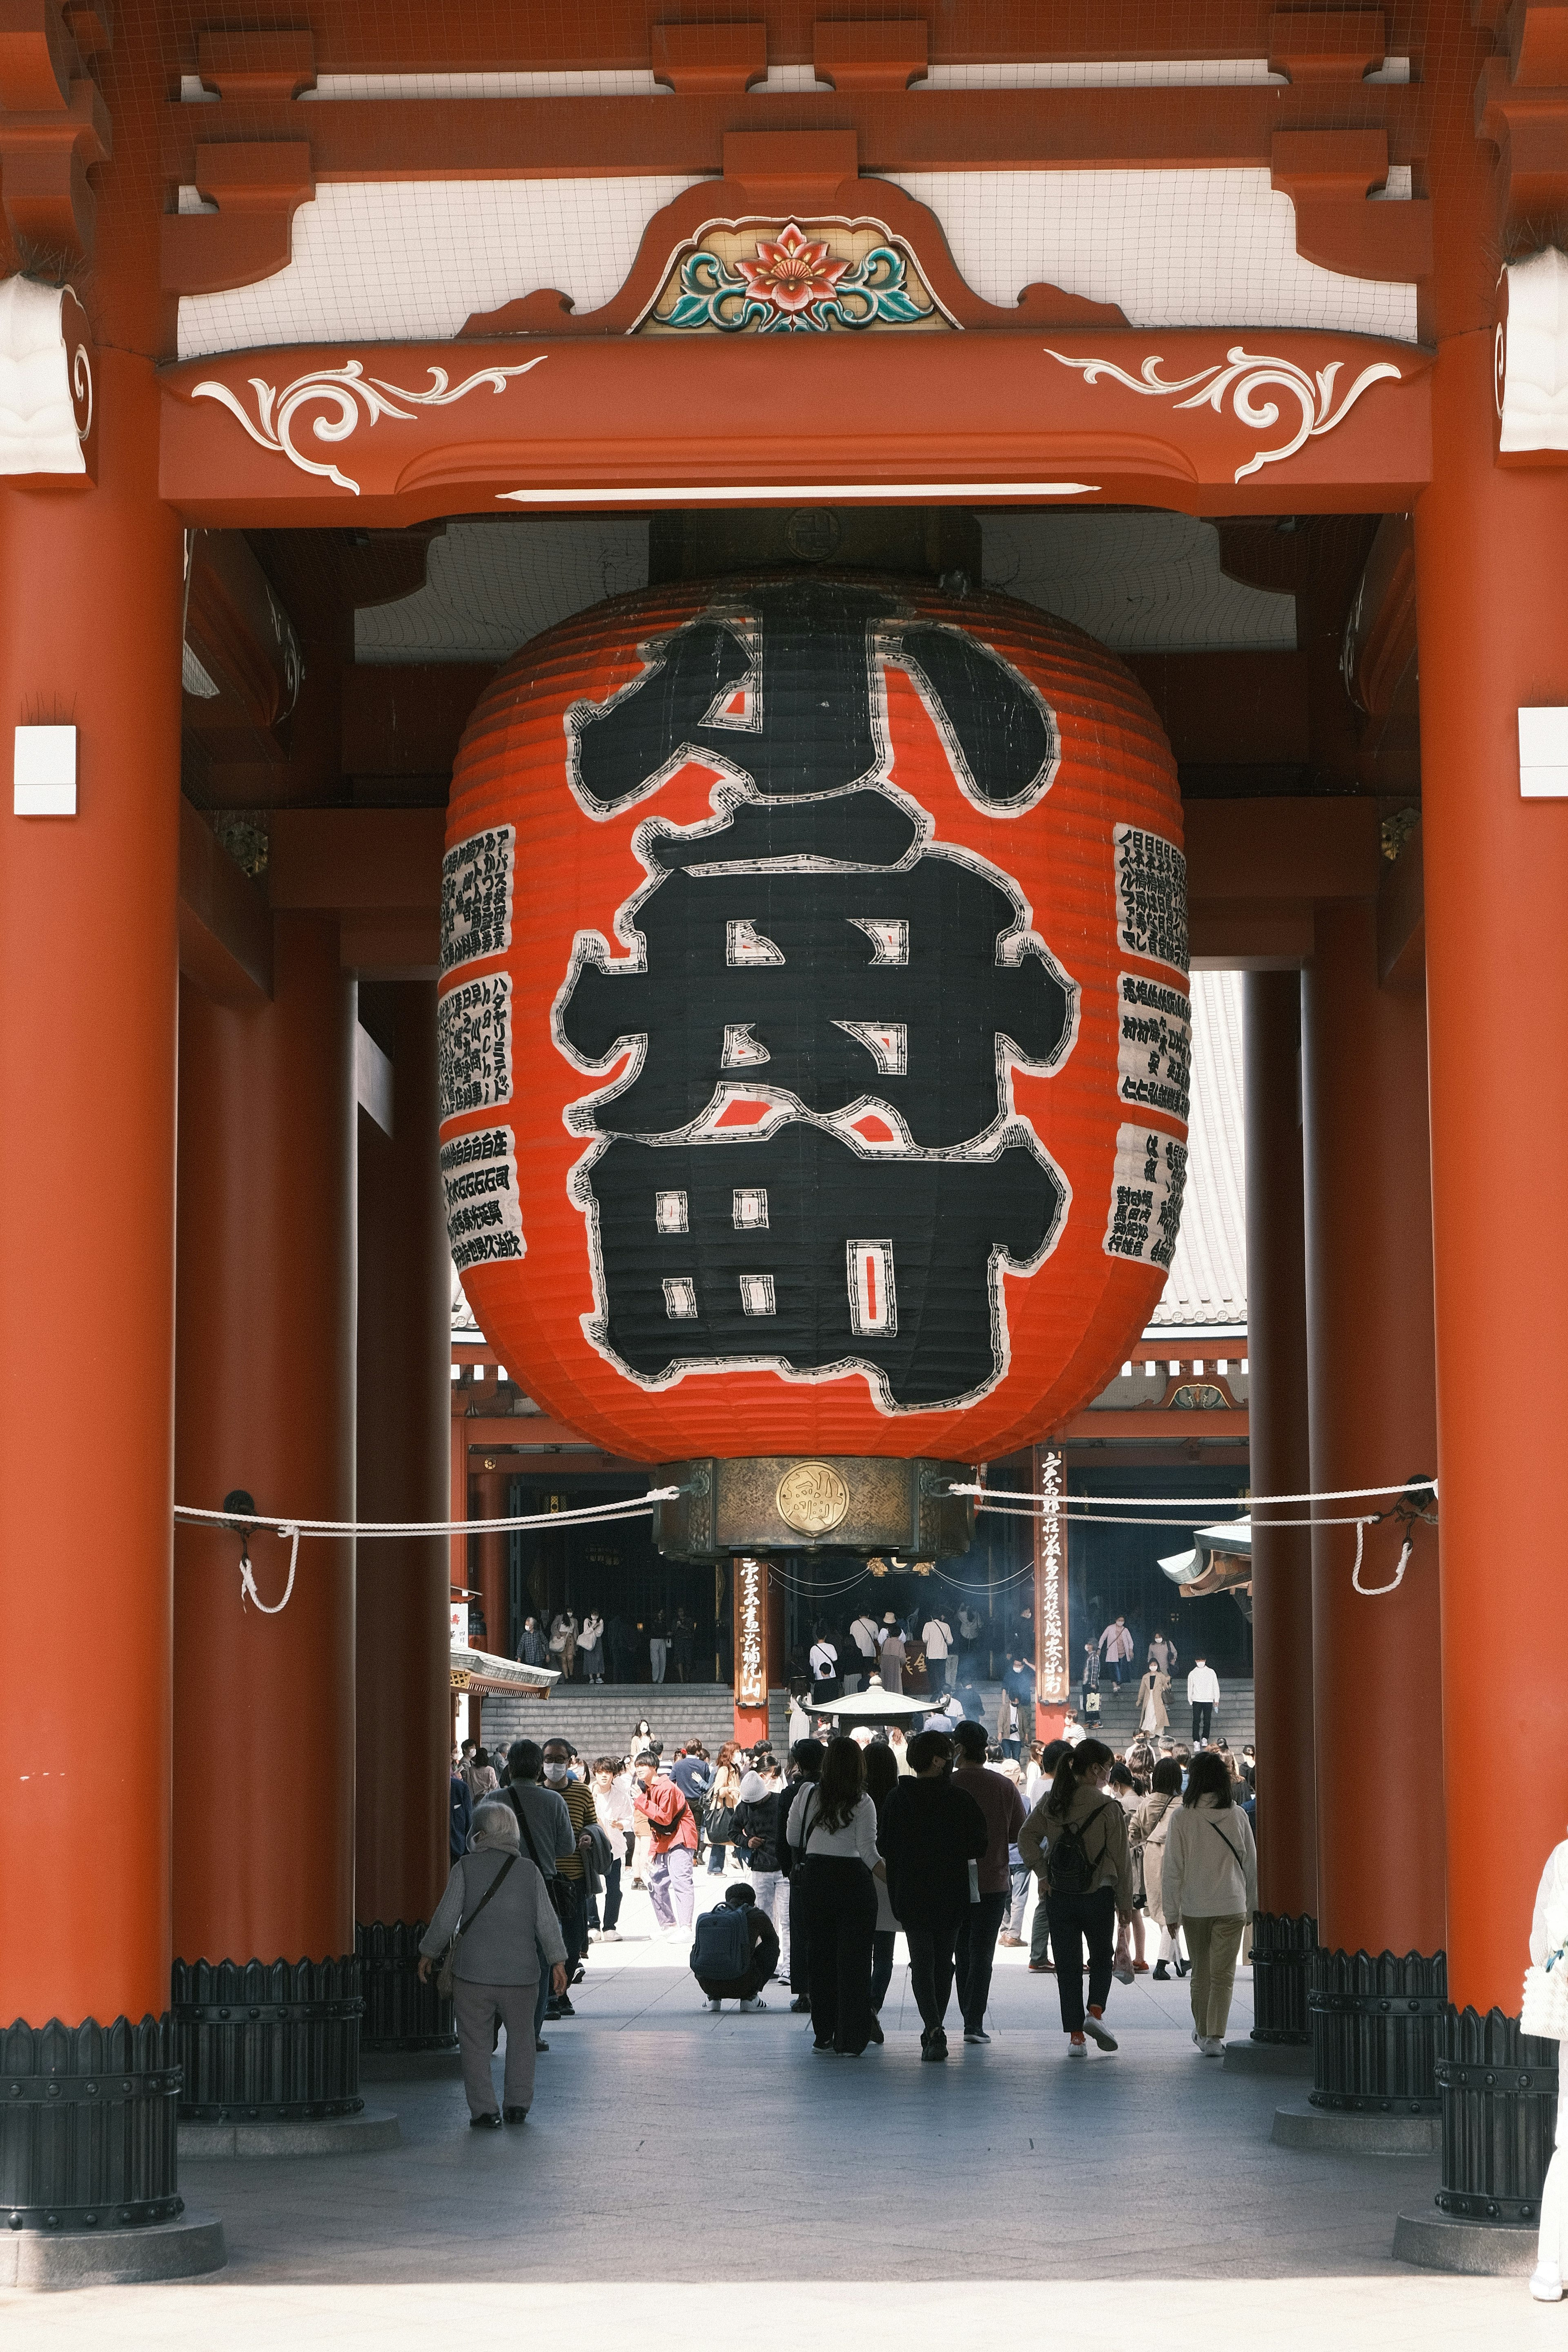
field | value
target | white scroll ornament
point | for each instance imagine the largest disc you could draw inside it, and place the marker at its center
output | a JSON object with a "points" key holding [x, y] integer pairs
{"points": [[1244, 374], [347, 395]]}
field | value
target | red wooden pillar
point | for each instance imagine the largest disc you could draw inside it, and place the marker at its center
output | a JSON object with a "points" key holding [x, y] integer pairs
{"points": [[264, 1706], [1494, 637], [1370, 1354], [89, 635], [403, 1716], [1287, 1924], [494, 1566]]}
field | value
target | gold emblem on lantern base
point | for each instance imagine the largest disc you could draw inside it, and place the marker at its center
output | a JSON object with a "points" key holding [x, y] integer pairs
{"points": [[811, 1499]]}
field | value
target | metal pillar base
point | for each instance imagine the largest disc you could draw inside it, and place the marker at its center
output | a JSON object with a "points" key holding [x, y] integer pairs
{"points": [[359, 2135], [1282, 1948], [268, 2041], [401, 2013], [86, 2127], [1376, 2026], [1498, 2093], [1336, 2132], [189, 2248]]}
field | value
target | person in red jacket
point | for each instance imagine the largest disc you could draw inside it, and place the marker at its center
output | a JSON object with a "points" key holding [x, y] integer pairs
{"points": [[674, 1828]]}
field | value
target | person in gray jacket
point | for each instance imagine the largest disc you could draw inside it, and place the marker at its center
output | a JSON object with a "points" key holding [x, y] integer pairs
{"points": [[499, 1898]]}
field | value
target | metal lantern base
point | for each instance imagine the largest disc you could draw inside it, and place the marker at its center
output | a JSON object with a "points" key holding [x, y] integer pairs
{"points": [[838, 1502]]}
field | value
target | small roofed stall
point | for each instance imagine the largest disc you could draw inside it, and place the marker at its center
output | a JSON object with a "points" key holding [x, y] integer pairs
{"points": [[1219, 1562], [478, 1674]]}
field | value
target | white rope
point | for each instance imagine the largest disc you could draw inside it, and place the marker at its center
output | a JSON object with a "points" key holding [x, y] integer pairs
{"points": [[188, 1514], [241, 1522], [247, 1579], [1193, 1521], [1244, 1504], [1371, 1591]]}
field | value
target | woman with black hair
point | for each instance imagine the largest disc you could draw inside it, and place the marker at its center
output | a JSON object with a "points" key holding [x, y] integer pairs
{"points": [[930, 1833], [881, 1778], [1151, 1825], [833, 1830], [1076, 1842], [1209, 1886]]}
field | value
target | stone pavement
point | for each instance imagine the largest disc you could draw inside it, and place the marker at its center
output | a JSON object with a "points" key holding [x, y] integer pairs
{"points": [[683, 2179]]}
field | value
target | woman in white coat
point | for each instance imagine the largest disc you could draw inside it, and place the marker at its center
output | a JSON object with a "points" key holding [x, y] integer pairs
{"points": [[1546, 2014], [1209, 1886]]}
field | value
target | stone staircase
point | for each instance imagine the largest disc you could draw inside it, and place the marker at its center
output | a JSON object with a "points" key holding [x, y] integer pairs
{"points": [[1234, 1717], [598, 1717]]}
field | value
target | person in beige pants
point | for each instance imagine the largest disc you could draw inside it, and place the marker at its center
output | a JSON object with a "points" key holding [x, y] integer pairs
{"points": [[1208, 1886], [497, 1904]]}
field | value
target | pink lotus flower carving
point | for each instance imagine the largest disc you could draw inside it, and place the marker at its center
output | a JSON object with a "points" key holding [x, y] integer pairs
{"points": [[792, 271]]}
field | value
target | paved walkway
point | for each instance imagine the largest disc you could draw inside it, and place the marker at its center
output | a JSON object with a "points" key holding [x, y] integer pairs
{"points": [[685, 2179]]}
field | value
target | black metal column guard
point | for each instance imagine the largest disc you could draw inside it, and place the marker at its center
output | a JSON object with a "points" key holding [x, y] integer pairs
{"points": [[1376, 2028], [1282, 1948], [400, 2013], [87, 2126], [1498, 2090], [267, 2040]]}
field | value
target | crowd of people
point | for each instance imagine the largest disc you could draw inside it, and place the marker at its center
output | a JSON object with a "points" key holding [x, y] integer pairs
{"points": [[593, 1648], [938, 1834]]}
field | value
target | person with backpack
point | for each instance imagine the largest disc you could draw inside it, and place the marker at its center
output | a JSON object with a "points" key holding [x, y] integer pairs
{"points": [[1209, 1886], [832, 1830], [931, 1832], [1075, 1841], [735, 1950]]}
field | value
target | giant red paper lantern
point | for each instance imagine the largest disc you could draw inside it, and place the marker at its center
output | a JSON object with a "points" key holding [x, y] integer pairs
{"points": [[813, 1019]]}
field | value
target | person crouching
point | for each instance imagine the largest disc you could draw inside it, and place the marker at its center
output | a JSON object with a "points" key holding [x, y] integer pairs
{"points": [[497, 1899], [717, 1948]]}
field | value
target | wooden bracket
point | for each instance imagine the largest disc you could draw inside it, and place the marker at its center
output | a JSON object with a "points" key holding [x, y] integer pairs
{"points": [[257, 188], [53, 129], [1312, 45], [709, 60], [1521, 108], [1327, 174], [871, 55], [261, 66]]}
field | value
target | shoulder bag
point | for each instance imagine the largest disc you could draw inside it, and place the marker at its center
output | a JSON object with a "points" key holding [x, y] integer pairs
{"points": [[555, 1886], [1545, 2012], [446, 1974]]}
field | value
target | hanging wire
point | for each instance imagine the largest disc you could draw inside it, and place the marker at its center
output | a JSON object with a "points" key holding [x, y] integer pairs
{"points": [[1245, 1505]]}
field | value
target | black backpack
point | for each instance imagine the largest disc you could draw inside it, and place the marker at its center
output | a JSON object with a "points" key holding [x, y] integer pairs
{"points": [[1068, 1870], [722, 1948]]}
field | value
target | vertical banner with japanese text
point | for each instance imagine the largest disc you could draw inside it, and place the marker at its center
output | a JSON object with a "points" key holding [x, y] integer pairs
{"points": [[1052, 1681], [751, 1649]]}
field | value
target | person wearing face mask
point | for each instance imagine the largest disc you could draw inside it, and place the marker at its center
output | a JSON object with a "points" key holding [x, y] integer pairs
{"points": [[545, 1828], [613, 1805], [578, 1797]]}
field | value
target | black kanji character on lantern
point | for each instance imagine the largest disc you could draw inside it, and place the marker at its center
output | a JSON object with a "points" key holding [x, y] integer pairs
{"points": [[908, 983], [784, 687], [797, 1251]]}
